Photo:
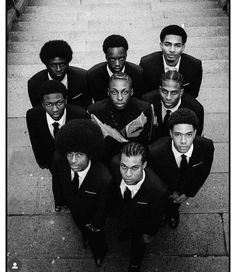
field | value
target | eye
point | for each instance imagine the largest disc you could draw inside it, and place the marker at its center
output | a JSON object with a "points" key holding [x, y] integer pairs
{"points": [[177, 134], [190, 134], [174, 92], [135, 168], [113, 92], [59, 103], [125, 92], [122, 166]]}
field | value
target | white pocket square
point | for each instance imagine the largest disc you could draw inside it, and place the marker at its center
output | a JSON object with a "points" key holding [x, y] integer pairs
{"points": [[90, 192], [142, 203], [197, 164], [77, 96]]}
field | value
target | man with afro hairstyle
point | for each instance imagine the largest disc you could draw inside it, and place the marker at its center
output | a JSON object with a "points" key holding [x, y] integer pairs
{"points": [[56, 55], [115, 48], [85, 181], [183, 161], [44, 121], [171, 57]]}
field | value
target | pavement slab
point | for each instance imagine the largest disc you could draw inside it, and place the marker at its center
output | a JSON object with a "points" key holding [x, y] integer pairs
{"points": [[221, 158], [226, 231]]}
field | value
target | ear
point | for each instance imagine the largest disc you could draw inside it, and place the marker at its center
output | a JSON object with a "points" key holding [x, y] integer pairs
{"points": [[131, 92], [161, 45], [108, 93], [183, 48], [181, 92], [171, 133], [144, 165], [195, 132]]}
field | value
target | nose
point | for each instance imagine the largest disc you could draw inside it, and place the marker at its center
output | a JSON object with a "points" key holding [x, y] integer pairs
{"points": [[168, 96], [54, 108], [183, 139], [128, 173], [119, 96], [73, 158], [172, 48], [117, 62], [58, 67]]}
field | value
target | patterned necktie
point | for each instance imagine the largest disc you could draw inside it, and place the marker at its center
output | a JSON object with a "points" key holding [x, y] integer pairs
{"points": [[183, 163], [75, 182], [55, 128], [127, 194]]}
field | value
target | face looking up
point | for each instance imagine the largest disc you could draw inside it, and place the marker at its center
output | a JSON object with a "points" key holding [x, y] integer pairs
{"points": [[78, 161], [54, 104], [131, 168], [170, 93], [172, 48], [57, 68], [183, 136], [120, 92], [116, 57]]}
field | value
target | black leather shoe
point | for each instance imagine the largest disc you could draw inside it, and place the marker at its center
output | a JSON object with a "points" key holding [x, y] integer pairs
{"points": [[58, 208], [125, 235], [173, 220], [134, 268]]}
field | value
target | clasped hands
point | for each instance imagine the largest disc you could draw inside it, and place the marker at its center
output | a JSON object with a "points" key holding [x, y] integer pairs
{"points": [[92, 228], [177, 198]]}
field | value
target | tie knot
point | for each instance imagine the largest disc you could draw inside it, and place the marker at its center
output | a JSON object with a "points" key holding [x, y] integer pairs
{"points": [[55, 125], [183, 156], [170, 68], [168, 112]]}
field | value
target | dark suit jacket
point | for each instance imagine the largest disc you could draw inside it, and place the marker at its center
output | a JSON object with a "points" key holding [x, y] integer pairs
{"points": [[92, 201], [163, 162], [98, 80], [77, 87], [41, 139], [190, 67], [187, 101], [145, 210]]}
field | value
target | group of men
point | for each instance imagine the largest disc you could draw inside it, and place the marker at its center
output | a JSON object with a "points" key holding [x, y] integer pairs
{"points": [[121, 136]]}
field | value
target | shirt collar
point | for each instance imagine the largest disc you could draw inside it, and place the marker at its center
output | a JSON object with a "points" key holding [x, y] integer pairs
{"points": [[136, 186], [177, 154], [82, 173], [166, 66], [61, 122], [172, 109], [110, 72], [64, 81]]}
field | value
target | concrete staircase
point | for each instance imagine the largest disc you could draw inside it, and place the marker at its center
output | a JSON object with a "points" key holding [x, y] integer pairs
{"points": [[45, 241]]}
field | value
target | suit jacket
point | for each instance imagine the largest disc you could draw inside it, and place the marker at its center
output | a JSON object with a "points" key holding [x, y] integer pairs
{"points": [[163, 162], [77, 87], [90, 204], [43, 144], [98, 80], [190, 67], [119, 119], [145, 210], [187, 101]]}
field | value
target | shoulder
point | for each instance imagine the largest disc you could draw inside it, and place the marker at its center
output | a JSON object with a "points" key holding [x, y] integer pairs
{"points": [[140, 104], [38, 76], [155, 182], [191, 102], [76, 71], [160, 145], [203, 143], [76, 111], [98, 106], [132, 67], [35, 112], [152, 57], [150, 96], [101, 172], [190, 59], [97, 68]]}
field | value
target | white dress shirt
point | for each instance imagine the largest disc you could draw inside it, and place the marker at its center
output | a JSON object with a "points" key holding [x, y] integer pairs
{"points": [[64, 81], [81, 174], [167, 67], [178, 155], [133, 188], [50, 121], [110, 72]]}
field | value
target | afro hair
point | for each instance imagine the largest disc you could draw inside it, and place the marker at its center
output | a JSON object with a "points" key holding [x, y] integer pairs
{"points": [[115, 41], [183, 116], [80, 135], [52, 86], [55, 48], [173, 30]]}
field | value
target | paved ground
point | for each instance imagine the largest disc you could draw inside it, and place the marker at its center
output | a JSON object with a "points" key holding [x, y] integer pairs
{"points": [[45, 241]]}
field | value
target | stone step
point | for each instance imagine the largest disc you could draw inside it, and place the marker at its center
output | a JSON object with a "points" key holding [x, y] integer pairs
{"points": [[197, 234], [215, 80], [185, 4]]}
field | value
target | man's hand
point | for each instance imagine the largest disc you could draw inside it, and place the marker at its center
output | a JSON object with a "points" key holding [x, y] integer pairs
{"points": [[92, 228], [147, 239], [174, 196], [182, 198], [43, 166]]}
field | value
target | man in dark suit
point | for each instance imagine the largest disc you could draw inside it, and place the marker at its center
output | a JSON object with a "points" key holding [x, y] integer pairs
{"points": [[115, 48], [183, 161], [167, 99], [56, 55], [173, 39], [85, 181], [140, 197], [44, 121], [122, 117]]}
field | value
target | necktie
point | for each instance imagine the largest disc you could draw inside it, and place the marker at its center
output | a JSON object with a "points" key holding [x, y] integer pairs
{"points": [[55, 128], [165, 122], [75, 182], [127, 194], [183, 163]]}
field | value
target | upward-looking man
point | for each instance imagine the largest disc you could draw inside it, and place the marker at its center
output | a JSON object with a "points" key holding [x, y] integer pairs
{"points": [[167, 99], [56, 55], [122, 117], [173, 39], [183, 161], [44, 121], [115, 48]]}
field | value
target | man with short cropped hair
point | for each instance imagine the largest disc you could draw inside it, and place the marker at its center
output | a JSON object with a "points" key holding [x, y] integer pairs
{"points": [[44, 121], [171, 57], [167, 99], [115, 48], [183, 161], [121, 116], [56, 55]]}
